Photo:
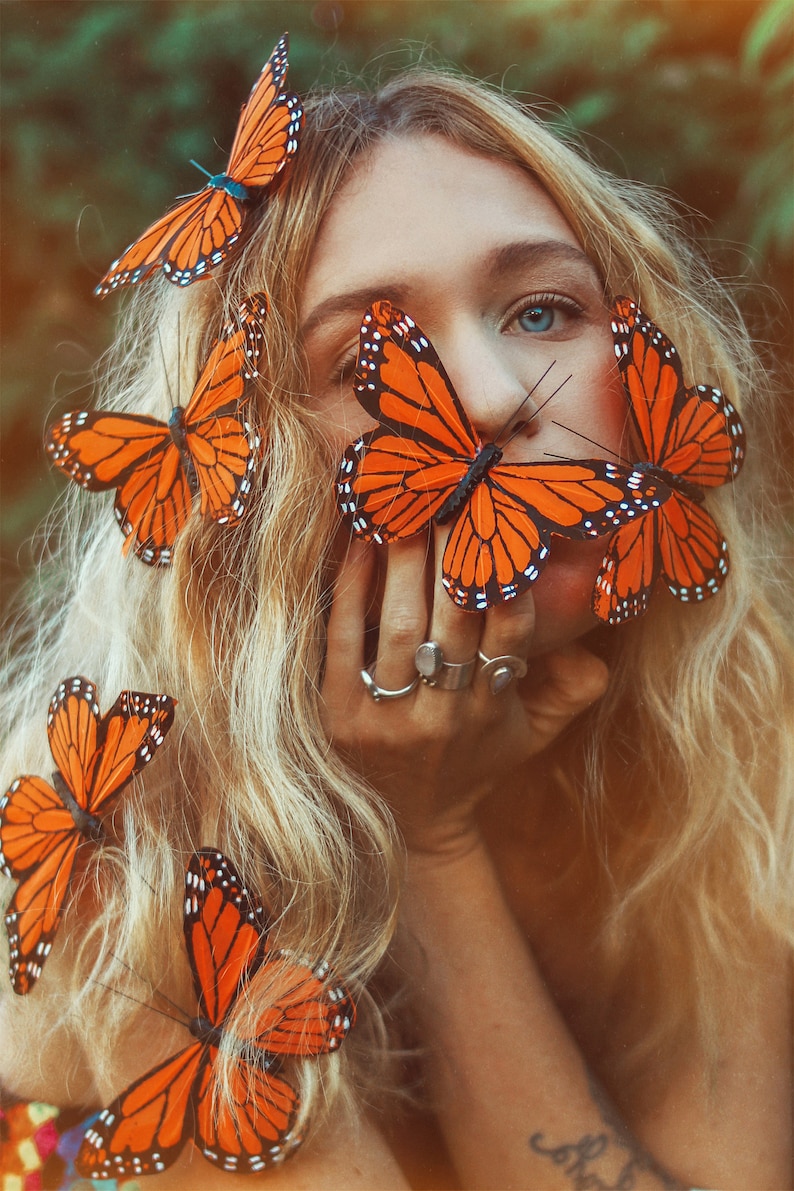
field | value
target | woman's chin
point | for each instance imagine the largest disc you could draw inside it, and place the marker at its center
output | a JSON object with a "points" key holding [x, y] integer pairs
{"points": [[563, 593]]}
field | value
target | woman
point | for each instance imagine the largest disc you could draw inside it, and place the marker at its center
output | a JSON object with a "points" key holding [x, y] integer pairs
{"points": [[590, 870]]}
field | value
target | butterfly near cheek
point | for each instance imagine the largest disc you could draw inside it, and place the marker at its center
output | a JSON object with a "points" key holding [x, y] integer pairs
{"points": [[43, 824], [197, 234], [693, 439], [209, 449], [305, 1014], [425, 463]]}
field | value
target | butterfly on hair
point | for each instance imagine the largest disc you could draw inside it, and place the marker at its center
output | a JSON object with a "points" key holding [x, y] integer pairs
{"points": [[425, 463], [307, 1014], [197, 234], [209, 449], [692, 439], [43, 824]]}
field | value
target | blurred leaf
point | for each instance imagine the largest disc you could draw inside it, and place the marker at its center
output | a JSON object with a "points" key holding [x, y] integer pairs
{"points": [[773, 29]]}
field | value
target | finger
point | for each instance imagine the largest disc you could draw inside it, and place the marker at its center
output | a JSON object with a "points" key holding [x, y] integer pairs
{"points": [[575, 679], [456, 632], [508, 632], [346, 622], [403, 618]]}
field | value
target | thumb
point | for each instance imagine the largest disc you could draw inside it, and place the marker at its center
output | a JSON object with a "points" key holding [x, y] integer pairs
{"points": [[575, 679]]}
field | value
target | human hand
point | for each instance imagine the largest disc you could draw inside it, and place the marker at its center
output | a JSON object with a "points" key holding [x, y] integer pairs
{"points": [[434, 753]]}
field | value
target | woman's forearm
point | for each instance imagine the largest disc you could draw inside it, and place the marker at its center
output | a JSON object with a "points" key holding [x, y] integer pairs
{"points": [[509, 1084]]}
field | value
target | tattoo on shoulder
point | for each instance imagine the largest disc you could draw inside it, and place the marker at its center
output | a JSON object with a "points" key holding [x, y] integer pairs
{"points": [[607, 1161]]}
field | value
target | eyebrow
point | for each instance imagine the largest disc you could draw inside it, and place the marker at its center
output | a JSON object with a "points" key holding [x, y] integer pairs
{"points": [[526, 253], [503, 259], [352, 302]]}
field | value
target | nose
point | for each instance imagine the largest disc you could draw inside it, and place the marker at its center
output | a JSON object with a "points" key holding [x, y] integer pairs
{"points": [[499, 401]]}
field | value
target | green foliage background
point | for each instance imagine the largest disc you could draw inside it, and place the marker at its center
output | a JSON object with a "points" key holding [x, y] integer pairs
{"points": [[105, 101]]}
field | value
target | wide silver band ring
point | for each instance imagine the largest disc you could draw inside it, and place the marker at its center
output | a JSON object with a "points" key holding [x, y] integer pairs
{"points": [[501, 671], [379, 693], [435, 672]]}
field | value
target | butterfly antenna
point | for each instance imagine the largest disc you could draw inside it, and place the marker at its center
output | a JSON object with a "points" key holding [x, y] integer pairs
{"points": [[200, 168], [542, 405], [179, 370], [135, 1001], [144, 980], [522, 403], [592, 441], [165, 366]]}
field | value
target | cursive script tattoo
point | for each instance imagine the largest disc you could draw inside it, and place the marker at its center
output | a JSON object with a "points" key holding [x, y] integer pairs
{"points": [[586, 1161]]}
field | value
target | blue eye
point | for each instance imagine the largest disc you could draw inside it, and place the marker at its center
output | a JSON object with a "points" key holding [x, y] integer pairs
{"points": [[536, 318]]}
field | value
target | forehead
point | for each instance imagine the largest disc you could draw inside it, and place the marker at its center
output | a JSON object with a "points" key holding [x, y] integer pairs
{"points": [[421, 203]]}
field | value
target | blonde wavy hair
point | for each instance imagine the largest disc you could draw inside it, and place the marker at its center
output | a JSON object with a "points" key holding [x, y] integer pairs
{"points": [[691, 727]]}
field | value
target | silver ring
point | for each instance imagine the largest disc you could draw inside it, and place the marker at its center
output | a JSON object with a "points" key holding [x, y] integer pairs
{"points": [[502, 670], [434, 671], [379, 693]]}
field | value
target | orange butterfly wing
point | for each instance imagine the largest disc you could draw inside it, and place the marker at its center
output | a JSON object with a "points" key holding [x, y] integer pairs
{"points": [[693, 439], [390, 487], [185, 243], [308, 1014], [222, 444], [628, 573], [693, 554], [258, 1132], [501, 539], [144, 1129], [424, 462], [394, 479], [127, 739], [198, 233], [101, 450], [209, 448], [38, 846], [41, 826], [226, 937], [695, 434], [269, 126]]}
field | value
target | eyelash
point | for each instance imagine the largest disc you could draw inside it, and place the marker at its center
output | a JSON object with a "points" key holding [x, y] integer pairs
{"points": [[556, 301], [345, 366]]}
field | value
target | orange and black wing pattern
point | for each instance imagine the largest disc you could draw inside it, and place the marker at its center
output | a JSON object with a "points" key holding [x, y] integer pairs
{"points": [[143, 1131], [209, 449], [425, 462], [198, 233], [692, 439], [503, 535], [42, 824]]}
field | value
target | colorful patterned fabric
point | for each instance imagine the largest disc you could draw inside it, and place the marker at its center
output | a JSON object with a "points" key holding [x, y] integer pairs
{"points": [[38, 1146]]}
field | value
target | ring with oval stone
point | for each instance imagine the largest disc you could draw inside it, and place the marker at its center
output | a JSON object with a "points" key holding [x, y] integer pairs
{"points": [[435, 672], [501, 670]]}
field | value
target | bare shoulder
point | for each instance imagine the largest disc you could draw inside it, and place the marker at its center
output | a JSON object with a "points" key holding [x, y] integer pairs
{"points": [[347, 1155]]}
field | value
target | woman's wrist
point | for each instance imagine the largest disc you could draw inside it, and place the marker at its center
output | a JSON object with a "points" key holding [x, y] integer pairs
{"points": [[441, 842]]}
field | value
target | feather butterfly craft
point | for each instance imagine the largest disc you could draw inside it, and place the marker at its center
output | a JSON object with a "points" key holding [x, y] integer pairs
{"points": [[226, 935], [197, 234], [694, 440], [425, 463], [42, 825], [209, 449]]}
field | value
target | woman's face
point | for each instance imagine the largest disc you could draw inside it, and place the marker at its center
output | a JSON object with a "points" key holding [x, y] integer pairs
{"points": [[482, 259]]}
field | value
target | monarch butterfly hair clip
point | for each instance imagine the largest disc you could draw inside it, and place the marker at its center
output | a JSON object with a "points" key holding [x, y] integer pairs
{"points": [[693, 440], [197, 234], [226, 934], [426, 463], [43, 825], [209, 449]]}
